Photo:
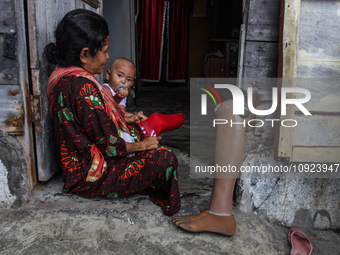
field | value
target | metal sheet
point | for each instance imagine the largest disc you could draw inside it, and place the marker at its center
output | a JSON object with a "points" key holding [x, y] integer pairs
{"points": [[9, 73], [7, 20], [11, 112], [263, 21]]}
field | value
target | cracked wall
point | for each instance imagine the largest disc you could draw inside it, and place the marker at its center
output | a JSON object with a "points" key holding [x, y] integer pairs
{"points": [[6, 198], [291, 201], [13, 172]]}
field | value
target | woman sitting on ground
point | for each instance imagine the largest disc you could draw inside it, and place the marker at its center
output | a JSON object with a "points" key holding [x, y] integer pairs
{"points": [[88, 123]]}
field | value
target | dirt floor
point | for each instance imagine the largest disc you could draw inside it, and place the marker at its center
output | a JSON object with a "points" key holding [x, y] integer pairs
{"points": [[56, 223]]}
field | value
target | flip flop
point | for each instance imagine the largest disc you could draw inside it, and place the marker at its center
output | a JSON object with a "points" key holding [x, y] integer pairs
{"points": [[301, 243]]}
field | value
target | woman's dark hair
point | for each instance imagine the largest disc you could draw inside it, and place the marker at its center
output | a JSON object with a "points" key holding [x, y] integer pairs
{"points": [[78, 29]]}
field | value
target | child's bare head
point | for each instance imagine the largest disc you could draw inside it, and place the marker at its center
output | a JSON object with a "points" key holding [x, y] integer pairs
{"points": [[122, 71]]}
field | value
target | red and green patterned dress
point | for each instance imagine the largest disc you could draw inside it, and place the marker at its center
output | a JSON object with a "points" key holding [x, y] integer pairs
{"points": [[80, 121]]}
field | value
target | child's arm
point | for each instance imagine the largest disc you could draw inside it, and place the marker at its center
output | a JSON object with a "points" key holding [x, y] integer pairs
{"points": [[108, 90], [120, 95]]}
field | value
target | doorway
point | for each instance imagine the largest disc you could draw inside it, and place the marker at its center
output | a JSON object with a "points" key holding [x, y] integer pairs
{"points": [[214, 28], [210, 26]]}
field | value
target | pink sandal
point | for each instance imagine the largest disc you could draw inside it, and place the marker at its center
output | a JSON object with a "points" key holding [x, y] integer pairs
{"points": [[301, 243]]}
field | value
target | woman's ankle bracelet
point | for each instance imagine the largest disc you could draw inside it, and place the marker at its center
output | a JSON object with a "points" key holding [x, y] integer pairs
{"points": [[221, 214]]}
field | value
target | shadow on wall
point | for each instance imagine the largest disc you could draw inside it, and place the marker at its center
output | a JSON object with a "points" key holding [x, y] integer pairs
{"points": [[321, 219]]}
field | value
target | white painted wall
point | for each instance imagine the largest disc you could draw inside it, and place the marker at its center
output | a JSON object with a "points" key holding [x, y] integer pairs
{"points": [[6, 198]]}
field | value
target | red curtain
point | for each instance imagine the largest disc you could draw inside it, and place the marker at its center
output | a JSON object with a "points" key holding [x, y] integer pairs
{"points": [[177, 41], [152, 39], [160, 16]]}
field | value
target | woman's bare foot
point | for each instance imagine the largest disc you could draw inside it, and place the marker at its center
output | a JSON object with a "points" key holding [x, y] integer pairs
{"points": [[205, 221]]}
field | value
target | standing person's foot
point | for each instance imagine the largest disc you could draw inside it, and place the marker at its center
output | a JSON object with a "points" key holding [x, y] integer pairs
{"points": [[206, 221]]}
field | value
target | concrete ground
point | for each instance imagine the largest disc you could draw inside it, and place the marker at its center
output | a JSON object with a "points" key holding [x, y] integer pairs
{"points": [[56, 223]]}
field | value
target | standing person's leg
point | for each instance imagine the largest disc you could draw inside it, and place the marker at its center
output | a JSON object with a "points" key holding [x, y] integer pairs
{"points": [[230, 142]]}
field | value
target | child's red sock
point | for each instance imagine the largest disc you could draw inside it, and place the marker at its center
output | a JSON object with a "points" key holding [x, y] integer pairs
{"points": [[158, 123]]}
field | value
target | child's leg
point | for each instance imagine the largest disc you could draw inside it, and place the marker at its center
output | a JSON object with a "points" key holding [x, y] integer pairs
{"points": [[158, 123]]}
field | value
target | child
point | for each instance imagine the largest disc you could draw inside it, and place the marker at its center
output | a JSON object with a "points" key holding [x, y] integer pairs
{"points": [[123, 72]]}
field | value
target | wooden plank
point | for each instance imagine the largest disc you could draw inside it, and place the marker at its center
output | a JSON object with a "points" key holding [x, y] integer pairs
{"points": [[93, 3], [263, 20], [63, 7], [47, 15], [33, 49], [242, 42], [79, 4], [48, 161], [260, 62], [319, 35], [280, 47], [289, 69], [279, 76], [319, 31], [26, 139], [262, 33], [241, 54], [316, 154], [290, 38], [316, 130], [262, 100], [84, 5], [325, 94], [316, 138], [265, 85], [266, 128]]}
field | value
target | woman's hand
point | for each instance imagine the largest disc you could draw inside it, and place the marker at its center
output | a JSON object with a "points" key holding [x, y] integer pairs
{"points": [[148, 143], [141, 116], [135, 118], [132, 119]]}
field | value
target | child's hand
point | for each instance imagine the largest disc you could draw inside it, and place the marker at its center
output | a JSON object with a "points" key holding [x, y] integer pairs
{"points": [[122, 93]]}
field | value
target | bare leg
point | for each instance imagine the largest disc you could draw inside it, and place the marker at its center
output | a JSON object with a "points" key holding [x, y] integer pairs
{"points": [[222, 195], [229, 153]]}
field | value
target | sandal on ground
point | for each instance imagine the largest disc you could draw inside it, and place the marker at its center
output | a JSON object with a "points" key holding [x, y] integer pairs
{"points": [[301, 243]]}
